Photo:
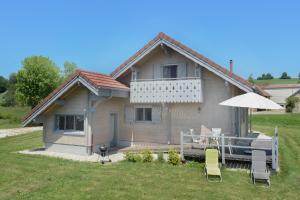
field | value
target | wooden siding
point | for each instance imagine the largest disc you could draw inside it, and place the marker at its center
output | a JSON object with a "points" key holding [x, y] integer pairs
{"points": [[174, 116], [147, 67], [100, 125], [75, 103]]}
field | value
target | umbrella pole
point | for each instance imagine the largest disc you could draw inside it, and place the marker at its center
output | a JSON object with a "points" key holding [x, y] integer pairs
{"points": [[250, 120]]}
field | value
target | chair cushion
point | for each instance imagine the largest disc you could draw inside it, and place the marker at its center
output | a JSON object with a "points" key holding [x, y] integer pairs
{"points": [[213, 171], [261, 175]]}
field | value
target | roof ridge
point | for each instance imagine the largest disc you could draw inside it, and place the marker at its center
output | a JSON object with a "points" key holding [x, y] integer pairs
{"points": [[87, 71]]}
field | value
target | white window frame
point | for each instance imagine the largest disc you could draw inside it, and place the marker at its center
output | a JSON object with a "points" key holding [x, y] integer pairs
{"points": [[68, 131], [168, 65], [144, 116]]}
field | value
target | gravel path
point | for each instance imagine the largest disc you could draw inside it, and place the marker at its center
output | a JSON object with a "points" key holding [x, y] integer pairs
{"points": [[114, 157], [18, 131]]}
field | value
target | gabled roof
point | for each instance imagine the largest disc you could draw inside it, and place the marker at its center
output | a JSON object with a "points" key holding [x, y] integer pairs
{"points": [[93, 81], [197, 57], [296, 93]]}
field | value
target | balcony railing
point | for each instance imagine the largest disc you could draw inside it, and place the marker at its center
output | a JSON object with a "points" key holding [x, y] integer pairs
{"points": [[187, 90]]}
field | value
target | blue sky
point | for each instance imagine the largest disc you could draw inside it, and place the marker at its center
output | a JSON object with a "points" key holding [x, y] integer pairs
{"points": [[260, 36]]}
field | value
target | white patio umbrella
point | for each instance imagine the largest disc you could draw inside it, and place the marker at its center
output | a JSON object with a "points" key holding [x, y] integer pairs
{"points": [[251, 100]]}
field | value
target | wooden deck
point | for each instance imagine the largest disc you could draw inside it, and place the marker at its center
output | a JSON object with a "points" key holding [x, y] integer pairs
{"points": [[199, 153], [193, 153]]}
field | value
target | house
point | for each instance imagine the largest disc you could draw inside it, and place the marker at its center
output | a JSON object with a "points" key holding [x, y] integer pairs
{"points": [[162, 89], [297, 106], [280, 92]]}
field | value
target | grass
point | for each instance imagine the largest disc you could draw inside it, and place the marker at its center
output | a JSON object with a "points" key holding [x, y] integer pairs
{"points": [[11, 117], [38, 177], [277, 81]]}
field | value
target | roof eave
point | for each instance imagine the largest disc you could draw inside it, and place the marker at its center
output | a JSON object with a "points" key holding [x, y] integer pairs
{"points": [[70, 84]]}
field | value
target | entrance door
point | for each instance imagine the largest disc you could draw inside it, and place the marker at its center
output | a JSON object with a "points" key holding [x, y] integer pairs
{"points": [[114, 129]]}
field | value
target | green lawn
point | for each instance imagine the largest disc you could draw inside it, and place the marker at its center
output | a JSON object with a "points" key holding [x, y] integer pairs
{"points": [[11, 117], [38, 177], [276, 81]]}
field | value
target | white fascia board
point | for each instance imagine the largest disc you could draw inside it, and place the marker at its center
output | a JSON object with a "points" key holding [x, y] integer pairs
{"points": [[59, 94], [137, 59], [88, 85], [208, 67]]}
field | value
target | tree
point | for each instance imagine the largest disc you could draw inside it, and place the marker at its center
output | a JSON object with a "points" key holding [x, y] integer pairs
{"points": [[36, 79], [69, 69], [3, 84], [299, 75], [12, 78], [9, 99], [291, 103], [250, 78], [267, 76], [285, 76]]}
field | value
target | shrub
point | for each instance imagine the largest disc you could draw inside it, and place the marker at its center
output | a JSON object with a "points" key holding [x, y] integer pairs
{"points": [[174, 158], [147, 156], [291, 103], [14, 120], [132, 157], [160, 157], [9, 97]]}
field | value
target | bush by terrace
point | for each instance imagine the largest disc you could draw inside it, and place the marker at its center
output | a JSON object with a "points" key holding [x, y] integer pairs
{"points": [[146, 156]]}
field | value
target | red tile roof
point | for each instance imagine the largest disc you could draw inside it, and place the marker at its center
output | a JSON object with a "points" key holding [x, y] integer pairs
{"points": [[102, 80], [163, 36], [96, 79], [280, 86]]}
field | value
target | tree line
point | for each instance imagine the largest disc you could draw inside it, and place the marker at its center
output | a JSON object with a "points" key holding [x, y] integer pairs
{"points": [[37, 78], [268, 76]]}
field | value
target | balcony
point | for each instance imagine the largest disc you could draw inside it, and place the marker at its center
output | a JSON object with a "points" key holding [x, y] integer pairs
{"points": [[188, 90]]}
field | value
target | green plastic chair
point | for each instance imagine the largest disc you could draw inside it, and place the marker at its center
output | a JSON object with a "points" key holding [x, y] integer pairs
{"points": [[212, 164]]}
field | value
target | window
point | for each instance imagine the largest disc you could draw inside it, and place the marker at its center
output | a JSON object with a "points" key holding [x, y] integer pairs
{"points": [[61, 122], [170, 71], [69, 122], [143, 114], [79, 122]]}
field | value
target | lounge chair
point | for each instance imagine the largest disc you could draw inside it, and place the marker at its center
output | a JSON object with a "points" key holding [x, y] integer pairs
{"points": [[205, 135], [216, 132], [259, 167], [195, 138], [212, 164]]}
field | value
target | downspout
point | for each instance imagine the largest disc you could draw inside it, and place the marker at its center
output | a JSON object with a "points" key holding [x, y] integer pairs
{"points": [[88, 125]]}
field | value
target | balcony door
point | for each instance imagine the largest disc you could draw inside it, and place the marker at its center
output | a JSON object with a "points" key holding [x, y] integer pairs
{"points": [[170, 71]]}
